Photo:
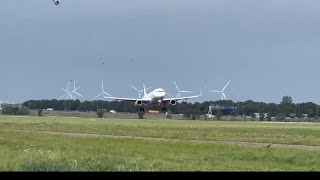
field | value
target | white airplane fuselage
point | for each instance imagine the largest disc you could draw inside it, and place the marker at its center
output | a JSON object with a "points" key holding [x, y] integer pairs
{"points": [[156, 96]]}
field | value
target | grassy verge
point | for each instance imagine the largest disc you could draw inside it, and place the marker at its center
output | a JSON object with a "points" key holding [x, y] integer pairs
{"points": [[277, 133], [39, 152]]}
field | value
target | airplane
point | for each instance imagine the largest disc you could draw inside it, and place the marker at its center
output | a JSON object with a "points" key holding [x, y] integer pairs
{"points": [[157, 96]]}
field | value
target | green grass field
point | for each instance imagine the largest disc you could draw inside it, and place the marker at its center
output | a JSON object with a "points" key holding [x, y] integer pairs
{"points": [[23, 148]]}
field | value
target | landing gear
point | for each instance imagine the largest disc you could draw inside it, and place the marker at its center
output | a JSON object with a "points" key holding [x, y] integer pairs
{"points": [[141, 112], [141, 109], [164, 109]]}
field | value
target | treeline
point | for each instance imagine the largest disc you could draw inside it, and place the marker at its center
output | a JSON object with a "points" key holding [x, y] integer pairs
{"points": [[15, 110], [248, 108]]}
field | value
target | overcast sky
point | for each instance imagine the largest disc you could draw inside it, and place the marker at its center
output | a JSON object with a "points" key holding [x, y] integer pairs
{"points": [[268, 49]]}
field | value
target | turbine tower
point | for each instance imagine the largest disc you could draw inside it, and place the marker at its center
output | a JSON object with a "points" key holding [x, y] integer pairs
{"points": [[102, 92], [223, 96], [179, 91]]}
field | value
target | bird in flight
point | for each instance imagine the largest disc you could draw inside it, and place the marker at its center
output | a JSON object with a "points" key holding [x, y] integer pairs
{"points": [[56, 2]]}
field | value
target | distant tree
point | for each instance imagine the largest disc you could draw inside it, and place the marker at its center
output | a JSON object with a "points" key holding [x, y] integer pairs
{"points": [[253, 116], [219, 115], [281, 116], [233, 114], [268, 117], [100, 113], [261, 116], [286, 106], [15, 110], [186, 115], [39, 112], [286, 100], [24, 110]]}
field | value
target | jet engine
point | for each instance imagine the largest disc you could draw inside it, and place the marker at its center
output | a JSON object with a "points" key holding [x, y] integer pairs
{"points": [[173, 102], [138, 103]]}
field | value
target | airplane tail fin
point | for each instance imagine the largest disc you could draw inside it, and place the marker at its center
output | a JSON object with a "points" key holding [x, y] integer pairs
{"points": [[144, 89]]}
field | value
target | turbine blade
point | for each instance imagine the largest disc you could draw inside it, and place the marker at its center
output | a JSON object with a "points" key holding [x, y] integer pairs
{"points": [[134, 88], [75, 89], [176, 86], [65, 90], [214, 91], [107, 94], [186, 91], [226, 85], [78, 94], [97, 96], [61, 96]]}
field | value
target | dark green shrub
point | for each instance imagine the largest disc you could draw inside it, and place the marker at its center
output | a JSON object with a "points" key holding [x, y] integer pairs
{"points": [[100, 113], [39, 112]]}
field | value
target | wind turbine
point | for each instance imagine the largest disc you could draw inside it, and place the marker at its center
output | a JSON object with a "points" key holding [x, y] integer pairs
{"points": [[74, 92], [223, 96], [179, 91], [139, 91], [102, 92], [68, 94]]}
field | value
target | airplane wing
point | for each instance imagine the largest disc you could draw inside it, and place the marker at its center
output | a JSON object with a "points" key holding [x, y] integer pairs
{"points": [[181, 98], [126, 99]]}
